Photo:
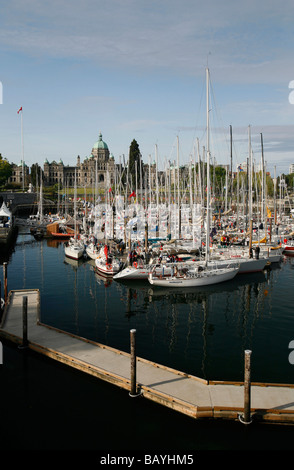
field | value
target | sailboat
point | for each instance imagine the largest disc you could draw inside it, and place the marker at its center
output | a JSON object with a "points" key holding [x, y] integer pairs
{"points": [[207, 274], [106, 263], [74, 248]]}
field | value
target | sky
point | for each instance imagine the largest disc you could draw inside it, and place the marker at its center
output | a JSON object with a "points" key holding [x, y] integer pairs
{"points": [[136, 69]]}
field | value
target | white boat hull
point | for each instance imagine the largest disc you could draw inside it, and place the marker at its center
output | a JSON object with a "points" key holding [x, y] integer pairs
{"points": [[141, 272], [74, 251], [107, 269], [92, 252], [289, 249], [247, 265], [204, 278]]}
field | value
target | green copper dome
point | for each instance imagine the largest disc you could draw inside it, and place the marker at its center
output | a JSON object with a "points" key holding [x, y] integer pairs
{"points": [[100, 144]]}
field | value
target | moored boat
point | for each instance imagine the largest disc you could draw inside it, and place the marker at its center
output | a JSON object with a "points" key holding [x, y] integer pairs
{"points": [[202, 277], [106, 263], [74, 249]]}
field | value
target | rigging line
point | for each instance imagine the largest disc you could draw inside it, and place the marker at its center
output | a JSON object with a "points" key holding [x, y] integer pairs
{"points": [[199, 113]]}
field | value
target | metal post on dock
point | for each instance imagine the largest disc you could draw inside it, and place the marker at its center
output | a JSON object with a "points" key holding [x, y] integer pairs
{"points": [[133, 392], [246, 418], [5, 281], [24, 344]]}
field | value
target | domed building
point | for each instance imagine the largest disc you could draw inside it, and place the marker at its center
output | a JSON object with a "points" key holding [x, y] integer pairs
{"points": [[55, 173], [105, 166]]}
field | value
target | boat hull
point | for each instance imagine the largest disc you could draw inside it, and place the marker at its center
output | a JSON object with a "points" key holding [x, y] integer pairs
{"points": [[107, 269], [73, 252], [289, 249], [203, 279]]}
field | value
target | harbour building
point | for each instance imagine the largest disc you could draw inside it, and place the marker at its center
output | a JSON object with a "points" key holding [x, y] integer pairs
{"points": [[100, 162]]}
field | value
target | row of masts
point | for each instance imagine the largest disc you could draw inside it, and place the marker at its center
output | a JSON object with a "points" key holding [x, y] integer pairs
{"points": [[196, 190]]}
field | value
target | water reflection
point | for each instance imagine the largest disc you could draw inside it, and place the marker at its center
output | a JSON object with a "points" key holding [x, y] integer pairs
{"points": [[202, 331]]}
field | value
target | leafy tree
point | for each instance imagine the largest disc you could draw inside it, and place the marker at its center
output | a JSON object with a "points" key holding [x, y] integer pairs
{"points": [[135, 164], [36, 174], [5, 170]]}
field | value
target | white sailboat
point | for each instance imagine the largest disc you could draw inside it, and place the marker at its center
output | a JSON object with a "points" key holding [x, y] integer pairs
{"points": [[74, 248], [106, 264], [92, 250], [207, 274], [204, 277]]}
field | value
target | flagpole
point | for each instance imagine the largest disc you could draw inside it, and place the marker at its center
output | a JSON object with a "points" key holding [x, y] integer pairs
{"points": [[22, 148]]}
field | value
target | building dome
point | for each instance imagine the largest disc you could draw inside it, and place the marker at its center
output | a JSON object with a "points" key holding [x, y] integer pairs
{"points": [[100, 144]]}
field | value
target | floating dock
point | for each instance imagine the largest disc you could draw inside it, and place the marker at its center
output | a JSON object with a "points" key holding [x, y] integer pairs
{"points": [[187, 394]]}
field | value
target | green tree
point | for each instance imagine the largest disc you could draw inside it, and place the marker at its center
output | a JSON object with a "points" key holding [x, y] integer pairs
{"points": [[36, 174], [5, 170], [135, 165]]}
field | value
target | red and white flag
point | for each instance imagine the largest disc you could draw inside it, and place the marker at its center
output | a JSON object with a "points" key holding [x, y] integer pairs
{"points": [[20, 109]]}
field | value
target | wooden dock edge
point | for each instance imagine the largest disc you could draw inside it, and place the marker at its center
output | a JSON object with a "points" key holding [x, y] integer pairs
{"points": [[124, 353], [272, 416], [196, 412], [257, 384], [8, 301]]}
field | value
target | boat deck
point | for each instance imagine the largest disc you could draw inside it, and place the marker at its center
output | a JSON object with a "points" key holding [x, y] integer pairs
{"points": [[187, 394]]}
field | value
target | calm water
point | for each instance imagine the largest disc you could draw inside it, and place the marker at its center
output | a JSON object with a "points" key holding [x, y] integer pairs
{"points": [[202, 332]]}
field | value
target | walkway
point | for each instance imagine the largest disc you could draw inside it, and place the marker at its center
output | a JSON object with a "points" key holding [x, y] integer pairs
{"points": [[182, 392]]}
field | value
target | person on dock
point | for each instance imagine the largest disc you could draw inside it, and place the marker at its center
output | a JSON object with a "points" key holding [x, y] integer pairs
{"points": [[257, 250]]}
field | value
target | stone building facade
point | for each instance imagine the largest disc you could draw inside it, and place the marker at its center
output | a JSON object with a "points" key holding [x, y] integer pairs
{"points": [[17, 174], [99, 162]]}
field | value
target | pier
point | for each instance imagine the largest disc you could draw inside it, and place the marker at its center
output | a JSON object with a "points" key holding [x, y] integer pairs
{"points": [[187, 394]]}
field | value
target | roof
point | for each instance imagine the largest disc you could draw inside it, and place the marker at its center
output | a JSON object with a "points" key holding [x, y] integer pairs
{"points": [[100, 144]]}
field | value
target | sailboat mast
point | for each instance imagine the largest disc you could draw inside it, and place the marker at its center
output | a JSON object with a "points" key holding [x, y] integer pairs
{"points": [[250, 173], [231, 176], [75, 206], [208, 169], [22, 149]]}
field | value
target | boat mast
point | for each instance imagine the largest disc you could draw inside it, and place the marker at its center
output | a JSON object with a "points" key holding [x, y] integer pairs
{"points": [[75, 206], [263, 183], [250, 173], [208, 170]]}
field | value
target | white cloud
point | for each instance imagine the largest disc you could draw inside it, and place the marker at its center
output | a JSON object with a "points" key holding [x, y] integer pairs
{"points": [[245, 44], [175, 35]]}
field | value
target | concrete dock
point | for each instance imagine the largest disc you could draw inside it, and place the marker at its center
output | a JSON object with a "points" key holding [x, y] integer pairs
{"points": [[184, 393]]}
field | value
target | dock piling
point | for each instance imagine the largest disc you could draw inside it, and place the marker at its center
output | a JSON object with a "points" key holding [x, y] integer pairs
{"points": [[246, 418], [24, 323], [133, 392]]}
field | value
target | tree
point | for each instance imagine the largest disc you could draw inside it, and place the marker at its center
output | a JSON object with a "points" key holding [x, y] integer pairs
{"points": [[36, 174], [5, 170], [135, 165]]}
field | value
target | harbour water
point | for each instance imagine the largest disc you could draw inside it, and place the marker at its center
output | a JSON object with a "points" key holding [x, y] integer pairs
{"points": [[203, 332]]}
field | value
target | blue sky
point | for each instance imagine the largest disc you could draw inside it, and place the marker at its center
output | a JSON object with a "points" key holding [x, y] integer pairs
{"points": [[136, 70]]}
